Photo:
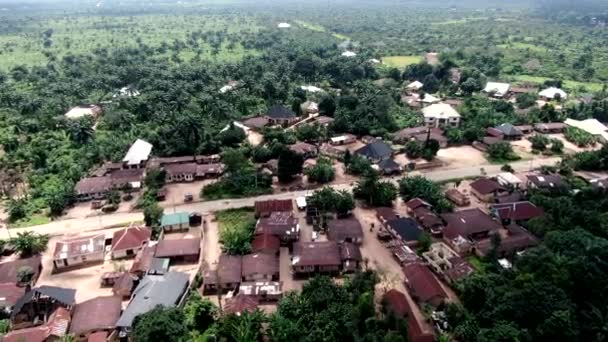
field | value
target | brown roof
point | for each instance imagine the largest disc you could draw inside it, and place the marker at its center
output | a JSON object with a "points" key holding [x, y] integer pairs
{"points": [[173, 160], [486, 186], [343, 229], [256, 122], [265, 243], [228, 269], [350, 251], [319, 253], [324, 120], [550, 126], [427, 218], [211, 168], [416, 203], [490, 140], [100, 313], [517, 211], [460, 269], [281, 224], [8, 270], [520, 90], [143, 259], [269, 206], [396, 302], [386, 213], [180, 169], [517, 240], [493, 132], [260, 264], [408, 133], [85, 245], [240, 303], [130, 238], [303, 148], [100, 336], [91, 185], [10, 293], [468, 222], [123, 285], [178, 248], [423, 285], [547, 181], [57, 326], [400, 306], [124, 176]]}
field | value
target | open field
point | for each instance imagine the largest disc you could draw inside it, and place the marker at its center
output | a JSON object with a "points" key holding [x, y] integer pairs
{"points": [[568, 84], [319, 28], [400, 61]]}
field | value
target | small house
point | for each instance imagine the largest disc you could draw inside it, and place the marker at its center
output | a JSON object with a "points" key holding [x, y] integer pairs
{"points": [[263, 291], [281, 116], [345, 230], [95, 315], [81, 111], [343, 139], [551, 127], [226, 277], [304, 149], [351, 257], [405, 229], [93, 188], [457, 197], [316, 257], [376, 151], [469, 224], [260, 267], [552, 93], [80, 251], [395, 301], [546, 182], [180, 172], [486, 189], [179, 250], [37, 306], [516, 212], [55, 328], [265, 208], [497, 89], [175, 222], [423, 286], [138, 155], [240, 304], [129, 241], [283, 225]]}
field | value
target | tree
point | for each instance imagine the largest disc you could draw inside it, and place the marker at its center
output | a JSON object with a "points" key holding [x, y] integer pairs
{"points": [[375, 192], [30, 243], [539, 142], [359, 165], [160, 324], [327, 105], [233, 136], [246, 327], [507, 168], [557, 146], [322, 172], [17, 209], [424, 242], [152, 215], [234, 160], [114, 197], [413, 149], [501, 151], [290, 165], [329, 200], [525, 100], [430, 149], [25, 274], [421, 187], [199, 313]]}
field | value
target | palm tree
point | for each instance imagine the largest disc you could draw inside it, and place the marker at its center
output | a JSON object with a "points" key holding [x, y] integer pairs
{"points": [[30, 243]]}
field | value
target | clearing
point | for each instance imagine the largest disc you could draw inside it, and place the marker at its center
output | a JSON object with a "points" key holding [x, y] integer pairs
{"points": [[319, 28], [461, 156], [400, 61], [568, 84]]}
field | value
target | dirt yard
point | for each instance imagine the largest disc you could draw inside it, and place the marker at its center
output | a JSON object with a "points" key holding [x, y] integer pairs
{"points": [[83, 209], [177, 191], [461, 156], [211, 245], [523, 148], [255, 138], [289, 283], [572, 148], [464, 187]]}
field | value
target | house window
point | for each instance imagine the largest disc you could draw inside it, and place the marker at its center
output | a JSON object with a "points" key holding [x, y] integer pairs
{"points": [[130, 252]]}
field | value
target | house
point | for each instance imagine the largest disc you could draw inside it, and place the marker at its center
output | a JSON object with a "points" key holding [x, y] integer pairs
{"points": [[84, 110], [440, 115], [516, 240], [486, 189], [447, 263], [423, 286], [95, 315], [348, 54], [260, 267], [10, 269], [266, 243], [127, 178], [508, 179], [551, 127], [93, 188], [316, 257], [263, 291], [497, 89], [10, 293], [427, 99], [552, 93], [38, 305], [516, 212], [591, 126], [54, 329], [414, 86], [343, 139], [179, 250], [265, 208], [385, 214], [422, 212], [323, 120], [330, 151], [514, 196], [416, 203], [143, 260], [311, 88], [256, 122], [167, 290], [351, 257], [129, 241], [80, 251], [304, 149], [240, 304], [405, 229], [284, 25], [376, 151], [547, 182], [600, 184], [470, 224], [210, 170], [281, 116], [421, 135], [397, 303], [525, 129], [345, 230], [123, 286], [226, 277], [389, 167], [309, 108], [128, 91], [180, 172], [509, 132], [283, 225], [138, 155], [175, 222], [457, 197]]}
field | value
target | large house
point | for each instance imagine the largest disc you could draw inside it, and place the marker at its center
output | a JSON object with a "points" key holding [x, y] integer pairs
{"points": [[316, 257], [470, 224], [397, 303], [281, 116], [376, 151], [80, 251], [497, 89], [129, 241], [440, 115], [423, 286], [486, 189], [281, 224], [93, 188], [345, 230], [138, 155], [96, 315]]}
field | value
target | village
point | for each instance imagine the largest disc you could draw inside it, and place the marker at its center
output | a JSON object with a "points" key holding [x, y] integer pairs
{"points": [[93, 284]]}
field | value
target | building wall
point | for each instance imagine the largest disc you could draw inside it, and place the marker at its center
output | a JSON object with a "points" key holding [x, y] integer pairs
{"points": [[92, 196], [484, 198], [126, 253], [176, 227], [78, 261], [260, 277]]}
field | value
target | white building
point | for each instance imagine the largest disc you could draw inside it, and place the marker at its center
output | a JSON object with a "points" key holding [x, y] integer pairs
{"points": [[82, 111], [440, 115], [311, 88], [138, 154], [508, 179], [79, 251], [284, 25], [128, 91], [348, 54], [498, 89], [429, 99], [416, 85], [374, 61], [552, 93], [591, 126]]}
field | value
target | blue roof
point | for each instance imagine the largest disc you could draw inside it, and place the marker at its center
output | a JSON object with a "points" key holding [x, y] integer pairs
{"points": [[176, 218]]}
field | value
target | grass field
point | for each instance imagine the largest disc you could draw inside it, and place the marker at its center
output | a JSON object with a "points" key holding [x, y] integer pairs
{"points": [[319, 28], [400, 61], [236, 229], [568, 84], [33, 220]]}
